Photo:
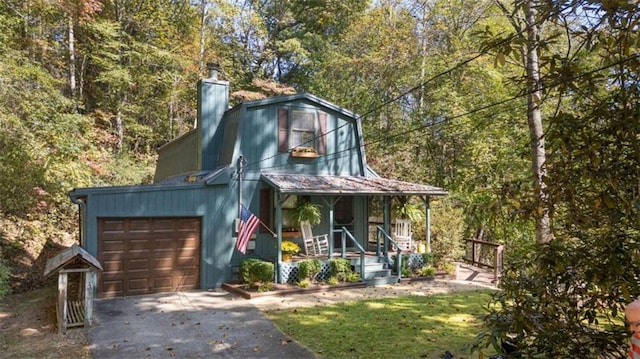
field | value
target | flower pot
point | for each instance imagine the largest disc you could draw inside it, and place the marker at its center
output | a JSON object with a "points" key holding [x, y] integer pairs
{"points": [[304, 154], [422, 248], [286, 257]]}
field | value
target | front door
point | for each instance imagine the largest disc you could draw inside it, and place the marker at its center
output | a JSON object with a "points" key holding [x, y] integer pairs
{"points": [[342, 217]]}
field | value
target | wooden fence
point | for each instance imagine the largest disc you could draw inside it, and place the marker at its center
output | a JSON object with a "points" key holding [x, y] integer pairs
{"points": [[485, 254]]}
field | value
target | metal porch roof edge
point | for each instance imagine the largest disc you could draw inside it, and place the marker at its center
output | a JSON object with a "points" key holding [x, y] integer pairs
{"points": [[85, 191], [340, 185]]}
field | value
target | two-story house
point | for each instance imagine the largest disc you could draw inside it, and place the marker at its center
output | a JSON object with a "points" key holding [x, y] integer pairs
{"points": [[180, 232]]}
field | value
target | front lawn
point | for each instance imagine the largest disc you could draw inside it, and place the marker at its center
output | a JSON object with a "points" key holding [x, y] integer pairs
{"points": [[400, 327]]}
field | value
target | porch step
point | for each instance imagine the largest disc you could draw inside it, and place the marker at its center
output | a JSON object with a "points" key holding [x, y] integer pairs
{"points": [[376, 274], [382, 280], [355, 261], [374, 267]]}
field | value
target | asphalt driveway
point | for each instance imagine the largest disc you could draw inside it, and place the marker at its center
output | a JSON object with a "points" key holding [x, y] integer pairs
{"points": [[196, 324]]}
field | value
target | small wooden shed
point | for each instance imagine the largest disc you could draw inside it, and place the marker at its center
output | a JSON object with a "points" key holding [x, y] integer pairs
{"points": [[76, 309]]}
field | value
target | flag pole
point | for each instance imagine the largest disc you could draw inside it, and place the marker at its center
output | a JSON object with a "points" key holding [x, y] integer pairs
{"points": [[240, 169], [267, 228]]}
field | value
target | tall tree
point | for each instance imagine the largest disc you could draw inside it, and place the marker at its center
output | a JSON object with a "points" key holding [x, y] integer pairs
{"points": [[534, 119], [558, 291]]}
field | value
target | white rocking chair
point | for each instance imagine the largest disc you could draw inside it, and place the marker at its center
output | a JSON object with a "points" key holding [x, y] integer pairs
{"points": [[314, 245], [402, 235]]}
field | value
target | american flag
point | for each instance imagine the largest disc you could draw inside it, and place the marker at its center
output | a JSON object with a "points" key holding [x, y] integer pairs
{"points": [[248, 224]]}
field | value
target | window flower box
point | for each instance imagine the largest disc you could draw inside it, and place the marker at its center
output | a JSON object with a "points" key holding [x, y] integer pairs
{"points": [[305, 152]]}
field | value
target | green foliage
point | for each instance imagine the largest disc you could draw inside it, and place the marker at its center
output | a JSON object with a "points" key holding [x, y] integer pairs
{"points": [[427, 271], [304, 283], [333, 281], [448, 267], [427, 259], [265, 287], [340, 268], [447, 231], [353, 277], [305, 211], [5, 271], [254, 270], [309, 269], [553, 304]]}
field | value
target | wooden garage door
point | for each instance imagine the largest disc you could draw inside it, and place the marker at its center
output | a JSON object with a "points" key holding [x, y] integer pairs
{"points": [[148, 255]]}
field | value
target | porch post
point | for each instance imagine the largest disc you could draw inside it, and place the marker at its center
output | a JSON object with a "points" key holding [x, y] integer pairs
{"points": [[427, 208], [331, 202], [331, 224], [386, 214], [279, 235]]}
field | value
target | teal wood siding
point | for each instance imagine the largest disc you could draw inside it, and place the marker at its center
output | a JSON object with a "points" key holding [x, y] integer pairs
{"points": [[230, 136], [259, 144], [178, 156], [217, 205]]}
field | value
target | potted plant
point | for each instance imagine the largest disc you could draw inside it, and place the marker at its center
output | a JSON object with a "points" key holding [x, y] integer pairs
{"points": [[304, 152], [304, 211], [289, 249]]}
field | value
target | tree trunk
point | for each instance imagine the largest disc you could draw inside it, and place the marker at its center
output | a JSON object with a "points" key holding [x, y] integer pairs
{"points": [[534, 119], [72, 62], [119, 131], [203, 23]]}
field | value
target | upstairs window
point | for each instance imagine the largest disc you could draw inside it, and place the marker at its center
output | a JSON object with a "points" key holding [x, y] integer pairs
{"points": [[301, 128], [302, 131]]}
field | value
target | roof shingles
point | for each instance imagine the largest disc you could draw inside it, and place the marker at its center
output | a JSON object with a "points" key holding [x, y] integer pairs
{"points": [[354, 185]]}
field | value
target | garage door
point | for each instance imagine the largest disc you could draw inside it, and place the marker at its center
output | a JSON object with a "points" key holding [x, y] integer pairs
{"points": [[148, 255]]}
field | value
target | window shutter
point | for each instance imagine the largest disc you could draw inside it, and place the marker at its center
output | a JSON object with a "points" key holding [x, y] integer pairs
{"points": [[266, 205], [283, 129], [322, 138]]}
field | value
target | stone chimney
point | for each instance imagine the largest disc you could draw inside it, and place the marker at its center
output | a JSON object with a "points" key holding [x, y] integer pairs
{"points": [[213, 101]]}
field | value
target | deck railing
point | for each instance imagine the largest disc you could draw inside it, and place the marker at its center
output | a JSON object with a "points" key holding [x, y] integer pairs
{"points": [[345, 234], [485, 254], [383, 249]]}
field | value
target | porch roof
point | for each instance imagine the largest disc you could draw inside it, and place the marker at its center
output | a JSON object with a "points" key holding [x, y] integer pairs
{"points": [[341, 185]]}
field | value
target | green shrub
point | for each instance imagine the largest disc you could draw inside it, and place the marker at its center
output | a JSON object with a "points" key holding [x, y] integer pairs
{"points": [[309, 269], [340, 268], [447, 230], [304, 283], [4, 279], [332, 281], [265, 287], [353, 277], [404, 266], [427, 259], [427, 271], [254, 270], [450, 268]]}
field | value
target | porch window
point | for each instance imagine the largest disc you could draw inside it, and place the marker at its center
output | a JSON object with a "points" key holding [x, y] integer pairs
{"points": [[301, 128]]}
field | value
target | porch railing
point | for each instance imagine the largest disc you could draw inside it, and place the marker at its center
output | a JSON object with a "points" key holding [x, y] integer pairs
{"points": [[485, 254], [385, 248], [343, 249]]}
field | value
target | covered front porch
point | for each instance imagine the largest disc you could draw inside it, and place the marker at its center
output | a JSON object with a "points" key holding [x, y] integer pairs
{"points": [[346, 200]]}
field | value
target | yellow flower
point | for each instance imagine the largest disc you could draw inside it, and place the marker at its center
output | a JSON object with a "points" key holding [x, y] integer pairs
{"points": [[289, 247]]}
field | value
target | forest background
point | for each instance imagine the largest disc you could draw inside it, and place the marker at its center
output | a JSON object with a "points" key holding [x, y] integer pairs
{"points": [[527, 112]]}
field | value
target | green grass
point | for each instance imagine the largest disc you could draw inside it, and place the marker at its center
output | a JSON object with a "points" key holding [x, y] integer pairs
{"points": [[400, 327]]}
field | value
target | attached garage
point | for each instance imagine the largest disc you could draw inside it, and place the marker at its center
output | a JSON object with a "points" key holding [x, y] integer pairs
{"points": [[148, 255]]}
